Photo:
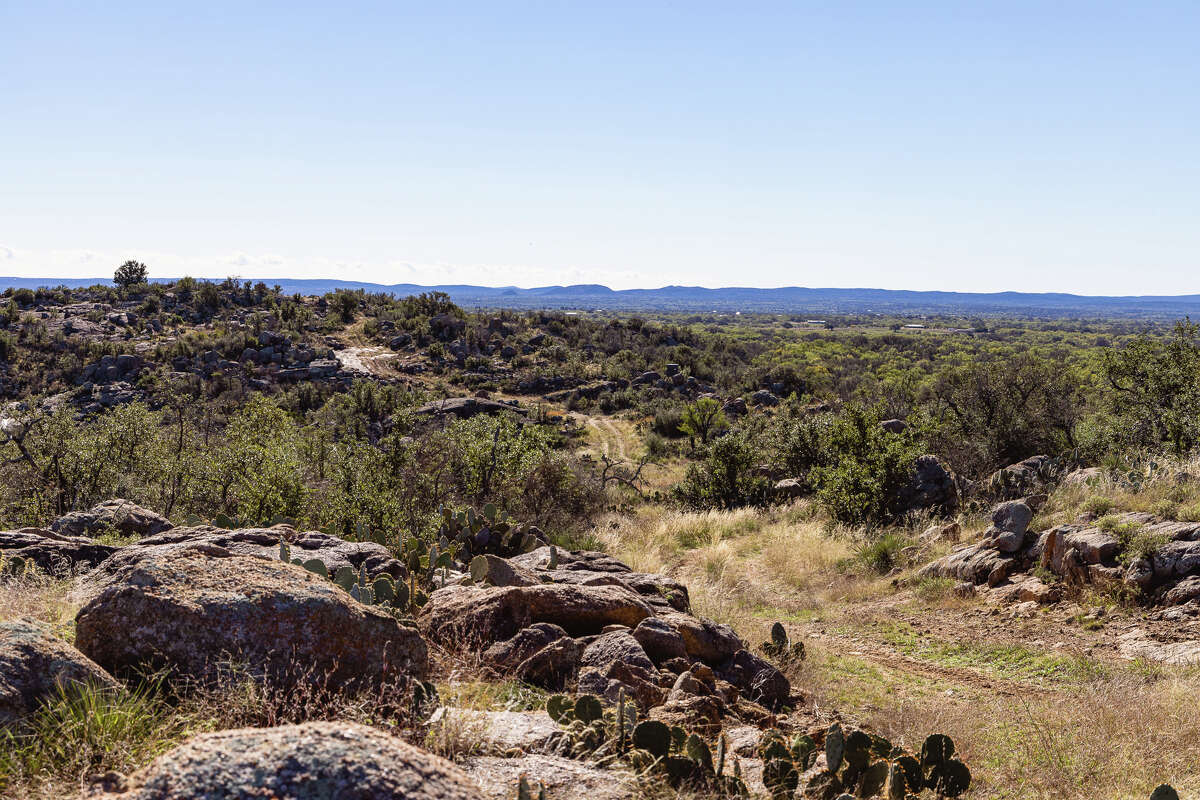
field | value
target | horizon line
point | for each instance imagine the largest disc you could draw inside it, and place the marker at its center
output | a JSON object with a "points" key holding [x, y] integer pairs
{"points": [[55, 282]]}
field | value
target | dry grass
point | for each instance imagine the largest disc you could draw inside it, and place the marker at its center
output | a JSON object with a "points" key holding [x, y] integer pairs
{"points": [[1115, 738], [1170, 491], [1102, 731], [41, 597], [742, 566], [457, 735]]}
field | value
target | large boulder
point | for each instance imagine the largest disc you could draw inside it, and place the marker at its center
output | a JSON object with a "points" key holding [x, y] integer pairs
{"points": [[314, 761], [1034, 475], [501, 731], [636, 683], [120, 515], [542, 654], [757, 679], [1093, 545], [616, 646], [974, 563], [931, 486], [659, 640], [590, 568], [704, 639], [507, 654], [192, 611], [482, 615], [789, 488], [54, 553], [563, 777], [34, 663], [264, 543], [1014, 515]]}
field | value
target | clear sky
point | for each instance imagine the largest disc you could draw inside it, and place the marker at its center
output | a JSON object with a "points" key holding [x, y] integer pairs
{"points": [[976, 146]]}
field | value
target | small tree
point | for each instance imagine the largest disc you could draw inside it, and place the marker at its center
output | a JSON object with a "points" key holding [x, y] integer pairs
{"points": [[702, 418], [131, 273]]}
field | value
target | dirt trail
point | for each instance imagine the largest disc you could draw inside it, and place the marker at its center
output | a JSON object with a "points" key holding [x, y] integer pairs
{"points": [[612, 442], [883, 655], [930, 637], [367, 360]]}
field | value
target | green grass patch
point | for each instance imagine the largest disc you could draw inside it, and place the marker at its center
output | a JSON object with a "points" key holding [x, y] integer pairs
{"points": [[1011, 661], [85, 730], [852, 684]]}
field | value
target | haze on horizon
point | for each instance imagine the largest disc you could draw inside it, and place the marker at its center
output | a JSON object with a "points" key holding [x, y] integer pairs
{"points": [[1000, 146]]}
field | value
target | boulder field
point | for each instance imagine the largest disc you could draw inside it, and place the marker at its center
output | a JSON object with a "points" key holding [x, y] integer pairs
{"points": [[195, 601], [1159, 558]]}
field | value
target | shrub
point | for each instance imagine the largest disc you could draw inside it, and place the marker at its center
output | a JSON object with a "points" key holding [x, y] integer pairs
{"points": [[865, 470], [667, 423], [727, 477], [1098, 505]]}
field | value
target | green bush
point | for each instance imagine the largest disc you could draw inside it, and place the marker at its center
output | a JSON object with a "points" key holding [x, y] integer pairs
{"points": [[864, 470], [727, 477]]}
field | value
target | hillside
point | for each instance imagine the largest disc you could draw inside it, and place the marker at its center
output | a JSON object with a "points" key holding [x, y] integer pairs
{"points": [[785, 300]]}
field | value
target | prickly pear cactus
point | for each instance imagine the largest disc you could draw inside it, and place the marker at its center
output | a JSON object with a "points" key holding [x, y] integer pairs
{"points": [[654, 737]]}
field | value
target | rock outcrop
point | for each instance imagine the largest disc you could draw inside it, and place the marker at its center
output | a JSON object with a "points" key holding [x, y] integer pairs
{"points": [[34, 664], [1165, 568], [485, 615], [614, 631], [119, 515], [931, 487], [264, 543], [53, 553], [315, 761], [192, 610]]}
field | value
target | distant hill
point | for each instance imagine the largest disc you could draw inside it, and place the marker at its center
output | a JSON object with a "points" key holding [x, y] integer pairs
{"points": [[788, 299]]}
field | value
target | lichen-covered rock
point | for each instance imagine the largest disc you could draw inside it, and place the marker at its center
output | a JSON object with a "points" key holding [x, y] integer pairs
{"points": [[1176, 559], [542, 655], [481, 615], [315, 761], [34, 663], [704, 639], [53, 553], [191, 610], [503, 572], [1014, 515], [616, 646], [976, 563], [1186, 590], [501, 732], [506, 655], [121, 515], [639, 684], [930, 486], [264, 543], [1031, 476], [590, 568], [1093, 546], [659, 640], [757, 679], [699, 713]]}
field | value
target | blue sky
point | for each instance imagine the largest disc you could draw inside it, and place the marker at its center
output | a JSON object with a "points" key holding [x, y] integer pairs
{"points": [[970, 146]]}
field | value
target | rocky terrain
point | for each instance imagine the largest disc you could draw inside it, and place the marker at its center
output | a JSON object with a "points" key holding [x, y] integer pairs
{"points": [[199, 605]]}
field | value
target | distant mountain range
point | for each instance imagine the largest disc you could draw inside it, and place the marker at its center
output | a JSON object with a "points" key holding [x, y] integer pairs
{"points": [[788, 299]]}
